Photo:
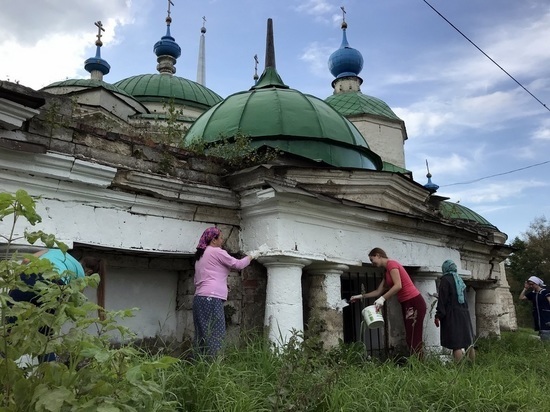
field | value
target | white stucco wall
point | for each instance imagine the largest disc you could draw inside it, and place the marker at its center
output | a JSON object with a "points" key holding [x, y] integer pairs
{"points": [[85, 211], [336, 233], [152, 291], [384, 138], [128, 288]]}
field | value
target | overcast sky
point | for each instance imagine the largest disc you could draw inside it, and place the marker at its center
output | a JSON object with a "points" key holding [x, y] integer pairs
{"points": [[462, 113]]}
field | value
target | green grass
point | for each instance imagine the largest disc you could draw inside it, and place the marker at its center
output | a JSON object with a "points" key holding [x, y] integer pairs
{"points": [[510, 374]]}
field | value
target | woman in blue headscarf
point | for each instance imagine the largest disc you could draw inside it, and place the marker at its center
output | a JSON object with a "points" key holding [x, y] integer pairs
{"points": [[452, 313]]}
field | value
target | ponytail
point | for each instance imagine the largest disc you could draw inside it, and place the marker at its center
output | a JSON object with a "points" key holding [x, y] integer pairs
{"points": [[98, 266]]}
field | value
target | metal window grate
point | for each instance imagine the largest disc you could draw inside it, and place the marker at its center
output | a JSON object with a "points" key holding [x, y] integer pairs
{"points": [[375, 340]]}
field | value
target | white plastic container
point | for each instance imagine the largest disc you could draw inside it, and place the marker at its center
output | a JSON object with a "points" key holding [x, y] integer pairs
{"points": [[372, 317]]}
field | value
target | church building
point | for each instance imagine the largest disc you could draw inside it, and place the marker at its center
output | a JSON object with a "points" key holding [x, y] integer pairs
{"points": [[117, 176]]}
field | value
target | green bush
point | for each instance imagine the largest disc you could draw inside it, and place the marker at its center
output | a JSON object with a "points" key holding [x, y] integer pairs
{"points": [[90, 374]]}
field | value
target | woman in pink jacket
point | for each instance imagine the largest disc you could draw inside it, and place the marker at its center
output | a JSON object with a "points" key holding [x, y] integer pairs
{"points": [[212, 267]]}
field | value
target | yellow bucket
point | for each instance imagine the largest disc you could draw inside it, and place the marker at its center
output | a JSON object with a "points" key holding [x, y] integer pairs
{"points": [[372, 317]]}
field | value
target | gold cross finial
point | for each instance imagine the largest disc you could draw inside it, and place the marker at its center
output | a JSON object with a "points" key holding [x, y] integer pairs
{"points": [[343, 13], [100, 28]]}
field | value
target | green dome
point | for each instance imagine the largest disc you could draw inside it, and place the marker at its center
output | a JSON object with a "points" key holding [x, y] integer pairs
{"points": [[456, 211], [85, 83], [149, 88], [272, 114], [352, 103]]}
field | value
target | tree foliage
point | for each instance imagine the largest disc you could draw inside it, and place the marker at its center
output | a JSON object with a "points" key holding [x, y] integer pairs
{"points": [[532, 252], [531, 257]]}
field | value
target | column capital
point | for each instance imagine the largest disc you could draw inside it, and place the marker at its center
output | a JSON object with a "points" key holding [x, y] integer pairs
{"points": [[283, 261], [479, 284], [426, 273], [325, 268]]}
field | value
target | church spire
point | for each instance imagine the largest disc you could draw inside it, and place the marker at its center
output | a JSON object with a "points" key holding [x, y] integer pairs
{"points": [[270, 46], [96, 66], [201, 67], [166, 49], [270, 77]]}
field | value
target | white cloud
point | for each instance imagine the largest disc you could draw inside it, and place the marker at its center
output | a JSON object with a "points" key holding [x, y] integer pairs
{"points": [[56, 38], [318, 8], [457, 84], [44, 67], [316, 56], [543, 131], [492, 192], [424, 118], [452, 165]]}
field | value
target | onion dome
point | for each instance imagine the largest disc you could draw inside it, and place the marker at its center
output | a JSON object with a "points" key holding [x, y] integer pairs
{"points": [[274, 115], [96, 66], [345, 64], [167, 45], [167, 50], [432, 187], [165, 87], [346, 61]]}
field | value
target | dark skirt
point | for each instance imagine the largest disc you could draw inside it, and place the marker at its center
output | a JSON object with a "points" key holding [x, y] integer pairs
{"points": [[456, 326], [456, 329], [209, 320]]}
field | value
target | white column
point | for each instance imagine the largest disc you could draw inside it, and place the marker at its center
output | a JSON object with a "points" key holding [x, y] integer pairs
{"points": [[325, 300], [425, 283], [283, 302], [507, 317], [487, 311]]}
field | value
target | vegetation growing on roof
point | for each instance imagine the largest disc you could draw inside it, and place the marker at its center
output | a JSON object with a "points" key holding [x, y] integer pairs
{"points": [[236, 152]]}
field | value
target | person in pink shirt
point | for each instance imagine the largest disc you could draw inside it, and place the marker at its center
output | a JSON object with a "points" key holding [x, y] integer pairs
{"points": [[212, 267], [413, 306]]}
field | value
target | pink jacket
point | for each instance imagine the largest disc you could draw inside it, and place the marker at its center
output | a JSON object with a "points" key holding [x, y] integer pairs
{"points": [[212, 270]]}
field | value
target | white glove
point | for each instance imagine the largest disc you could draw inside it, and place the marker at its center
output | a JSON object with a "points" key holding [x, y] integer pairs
{"points": [[378, 303], [254, 254]]}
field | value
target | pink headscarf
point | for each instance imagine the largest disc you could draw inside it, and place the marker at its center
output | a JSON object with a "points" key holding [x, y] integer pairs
{"points": [[207, 236]]}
